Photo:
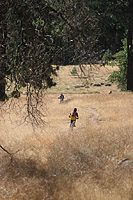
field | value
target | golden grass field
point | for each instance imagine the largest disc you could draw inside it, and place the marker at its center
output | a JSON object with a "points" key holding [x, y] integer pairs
{"points": [[55, 163]]}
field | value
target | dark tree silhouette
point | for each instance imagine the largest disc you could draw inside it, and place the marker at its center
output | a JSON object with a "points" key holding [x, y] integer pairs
{"points": [[3, 34], [130, 48]]}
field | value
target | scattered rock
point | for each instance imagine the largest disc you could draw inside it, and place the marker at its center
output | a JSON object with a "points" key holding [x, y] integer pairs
{"points": [[78, 86], [97, 84], [108, 84], [97, 92], [24, 93], [125, 161]]}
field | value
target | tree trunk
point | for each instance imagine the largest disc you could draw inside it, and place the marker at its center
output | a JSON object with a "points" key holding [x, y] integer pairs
{"points": [[130, 49], [2, 50]]}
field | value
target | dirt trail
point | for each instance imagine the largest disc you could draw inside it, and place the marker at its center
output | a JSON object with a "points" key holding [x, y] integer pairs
{"points": [[58, 114], [94, 114]]}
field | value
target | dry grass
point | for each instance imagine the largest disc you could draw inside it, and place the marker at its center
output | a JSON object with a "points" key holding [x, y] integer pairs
{"points": [[55, 163], [67, 83]]}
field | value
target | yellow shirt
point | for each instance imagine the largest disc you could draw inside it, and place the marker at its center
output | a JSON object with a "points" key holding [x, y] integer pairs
{"points": [[74, 117]]}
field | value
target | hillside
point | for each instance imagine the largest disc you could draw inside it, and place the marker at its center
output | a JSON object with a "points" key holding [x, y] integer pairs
{"points": [[52, 162]]}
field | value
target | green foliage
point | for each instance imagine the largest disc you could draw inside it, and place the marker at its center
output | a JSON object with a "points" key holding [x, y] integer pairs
{"points": [[120, 58], [74, 71], [107, 56], [112, 24]]}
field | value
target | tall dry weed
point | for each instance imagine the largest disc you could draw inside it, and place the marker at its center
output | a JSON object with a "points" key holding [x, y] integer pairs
{"points": [[57, 164]]}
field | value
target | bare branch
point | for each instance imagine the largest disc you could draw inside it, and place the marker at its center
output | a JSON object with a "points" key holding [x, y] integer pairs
{"points": [[11, 156]]}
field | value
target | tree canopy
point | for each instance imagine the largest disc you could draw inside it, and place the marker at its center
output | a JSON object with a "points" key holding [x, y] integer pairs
{"points": [[35, 35]]}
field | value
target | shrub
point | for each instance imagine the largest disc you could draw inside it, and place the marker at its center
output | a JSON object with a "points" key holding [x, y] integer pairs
{"points": [[120, 58], [107, 56], [74, 71]]}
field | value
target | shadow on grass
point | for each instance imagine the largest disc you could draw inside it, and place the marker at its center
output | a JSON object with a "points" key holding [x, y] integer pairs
{"points": [[26, 168], [67, 100], [34, 180]]}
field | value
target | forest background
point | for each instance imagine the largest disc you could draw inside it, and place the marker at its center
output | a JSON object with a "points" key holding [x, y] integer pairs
{"points": [[39, 39]]}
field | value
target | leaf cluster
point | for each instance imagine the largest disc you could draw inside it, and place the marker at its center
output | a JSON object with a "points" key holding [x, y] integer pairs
{"points": [[120, 58]]}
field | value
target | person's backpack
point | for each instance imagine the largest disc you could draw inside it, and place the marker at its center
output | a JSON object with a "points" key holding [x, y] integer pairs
{"points": [[74, 113], [62, 96]]}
